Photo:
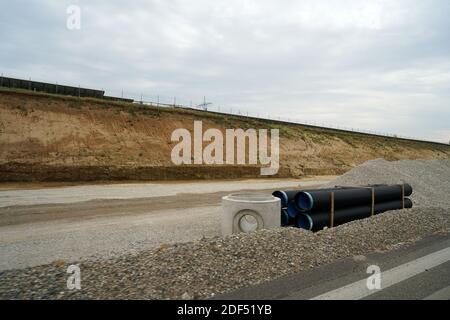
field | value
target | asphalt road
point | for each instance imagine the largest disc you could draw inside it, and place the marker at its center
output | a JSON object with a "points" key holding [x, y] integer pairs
{"points": [[418, 271]]}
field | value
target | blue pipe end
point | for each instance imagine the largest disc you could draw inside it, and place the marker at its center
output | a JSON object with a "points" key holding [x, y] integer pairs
{"points": [[304, 201], [304, 221], [283, 197], [284, 217], [292, 210]]}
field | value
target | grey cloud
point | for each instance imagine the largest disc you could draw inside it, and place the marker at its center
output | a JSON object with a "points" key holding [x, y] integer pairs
{"points": [[379, 65]]}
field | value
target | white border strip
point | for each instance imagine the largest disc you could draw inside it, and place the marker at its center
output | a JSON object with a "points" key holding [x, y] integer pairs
{"points": [[359, 289]]}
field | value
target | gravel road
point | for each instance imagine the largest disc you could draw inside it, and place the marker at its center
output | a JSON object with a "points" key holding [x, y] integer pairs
{"points": [[43, 242], [212, 265], [39, 234], [141, 190]]}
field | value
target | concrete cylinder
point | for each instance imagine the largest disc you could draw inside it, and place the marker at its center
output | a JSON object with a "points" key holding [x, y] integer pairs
{"points": [[247, 212]]}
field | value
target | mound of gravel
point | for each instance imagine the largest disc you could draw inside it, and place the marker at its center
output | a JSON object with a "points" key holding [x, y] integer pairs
{"points": [[208, 267], [430, 179]]}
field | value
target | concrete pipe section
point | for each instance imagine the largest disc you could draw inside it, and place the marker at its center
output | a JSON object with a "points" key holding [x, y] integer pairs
{"points": [[247, 212]]}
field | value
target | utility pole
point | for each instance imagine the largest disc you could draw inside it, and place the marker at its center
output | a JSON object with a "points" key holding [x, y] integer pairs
{"points": [[205, 104]]}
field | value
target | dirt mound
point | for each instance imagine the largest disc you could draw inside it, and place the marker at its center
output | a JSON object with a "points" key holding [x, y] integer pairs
{"points": [[429, 178], [57, 138]]}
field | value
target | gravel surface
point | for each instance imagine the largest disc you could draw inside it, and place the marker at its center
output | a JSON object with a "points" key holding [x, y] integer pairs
{"points": [[33, 235], [33, 244], [430, 179], [206, 267], [209, 266], [142, 190]]}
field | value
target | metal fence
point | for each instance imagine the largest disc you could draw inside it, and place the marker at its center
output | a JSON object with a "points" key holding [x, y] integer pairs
{"points": [[156, 100], [206, 105]]}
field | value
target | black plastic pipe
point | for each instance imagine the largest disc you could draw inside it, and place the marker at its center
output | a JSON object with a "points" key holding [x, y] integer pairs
{"points": [[292, 210], [289, 195], [285, 196], [285, 219], [317, 221], [320, 199]]}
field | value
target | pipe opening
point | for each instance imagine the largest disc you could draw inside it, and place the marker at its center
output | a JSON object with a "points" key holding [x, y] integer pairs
{"points": [[304, 221], [284, 217], [292, 210], [304, 201], [248, 223], [250, 197], [283, 197]]}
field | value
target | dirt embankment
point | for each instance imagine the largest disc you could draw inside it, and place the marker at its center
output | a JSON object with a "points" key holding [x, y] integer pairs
{"points": [[55, 138]]}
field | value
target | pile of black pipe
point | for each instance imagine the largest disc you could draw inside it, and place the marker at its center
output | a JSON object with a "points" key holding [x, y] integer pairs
{"points": [[313, 209]]}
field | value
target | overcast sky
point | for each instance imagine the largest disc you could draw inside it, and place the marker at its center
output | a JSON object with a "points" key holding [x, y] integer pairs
{"points": [[377, 65]]}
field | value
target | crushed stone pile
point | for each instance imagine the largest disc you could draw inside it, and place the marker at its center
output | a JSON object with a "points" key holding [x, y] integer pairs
{"points": [[430, 179]]}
